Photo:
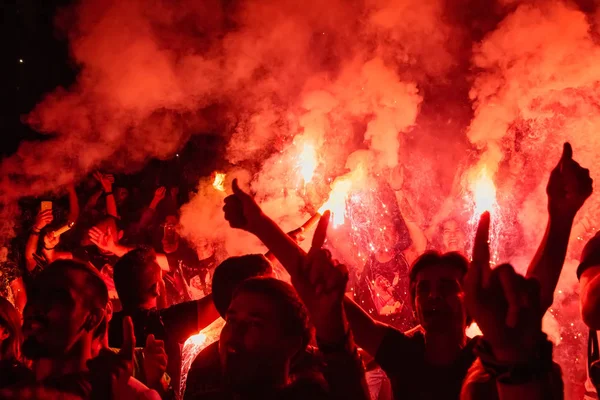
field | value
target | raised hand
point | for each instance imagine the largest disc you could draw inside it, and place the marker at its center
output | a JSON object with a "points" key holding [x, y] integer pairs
{"points": [[160, 194], [106, 181], [43, 219], [569, 186], [155, 361], [51, 240], [297, 234], [321, 284], [110, 372], [241, 211], [103, 240], [505, 305]]}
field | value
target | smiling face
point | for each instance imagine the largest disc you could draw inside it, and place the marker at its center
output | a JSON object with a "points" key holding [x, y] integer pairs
{"points": [[453, 238], [439, 298]]}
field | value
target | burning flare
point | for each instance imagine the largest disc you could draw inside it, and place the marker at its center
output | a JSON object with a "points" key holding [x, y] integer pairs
{"points": [[484, 193], [219, 182], [307, 161], [337, 200]]}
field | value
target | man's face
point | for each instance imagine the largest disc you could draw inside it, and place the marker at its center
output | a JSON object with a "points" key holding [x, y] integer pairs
{"points": [[121, 195], [55, 314], [253, 348], [453, 238], [204, 249], [439, 298]]}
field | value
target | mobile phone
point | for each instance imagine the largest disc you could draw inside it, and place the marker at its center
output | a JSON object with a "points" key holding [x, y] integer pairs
{"points": [[46, 205]]}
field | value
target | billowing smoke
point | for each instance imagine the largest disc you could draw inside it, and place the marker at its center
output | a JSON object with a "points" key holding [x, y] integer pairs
{"points": [[308, 92]]}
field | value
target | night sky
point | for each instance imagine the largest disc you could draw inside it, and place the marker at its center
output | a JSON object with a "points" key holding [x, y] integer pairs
{"points": [[41, 62]]}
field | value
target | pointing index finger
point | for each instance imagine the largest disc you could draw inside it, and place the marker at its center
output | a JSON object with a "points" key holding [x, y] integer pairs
{"points": [[321, 231]]}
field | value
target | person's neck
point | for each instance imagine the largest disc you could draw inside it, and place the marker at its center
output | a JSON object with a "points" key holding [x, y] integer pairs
{"points": [[266, 386], [443, 348], [74, 361]]}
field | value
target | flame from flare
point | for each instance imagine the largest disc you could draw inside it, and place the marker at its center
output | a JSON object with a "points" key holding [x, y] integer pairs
{"points": [[219, 182], [337, 200], [307, 161], [339, 192], [484, 193]]}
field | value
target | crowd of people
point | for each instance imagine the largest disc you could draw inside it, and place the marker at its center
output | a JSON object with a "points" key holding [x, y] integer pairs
{"points": [[98, 299]]}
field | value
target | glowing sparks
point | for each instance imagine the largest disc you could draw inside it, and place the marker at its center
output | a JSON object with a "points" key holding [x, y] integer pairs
{"points": [[307, 161], [484, 193], [219, 182]]}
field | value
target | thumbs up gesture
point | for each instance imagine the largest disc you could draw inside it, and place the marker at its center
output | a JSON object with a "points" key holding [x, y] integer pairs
{"points": [[241, 211], [569, 186]]}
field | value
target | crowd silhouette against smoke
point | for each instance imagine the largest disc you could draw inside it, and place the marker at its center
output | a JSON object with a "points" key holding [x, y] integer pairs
{"points": [[405, 118]]}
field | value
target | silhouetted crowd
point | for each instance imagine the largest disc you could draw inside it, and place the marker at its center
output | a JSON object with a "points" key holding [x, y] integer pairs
{"points": [[101, 292]]}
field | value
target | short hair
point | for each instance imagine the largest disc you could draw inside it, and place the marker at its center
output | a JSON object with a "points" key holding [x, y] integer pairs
{"points": [[11, 320], [233, 271], [294, 317], [132, 275], [452, 259], [94, 281]]}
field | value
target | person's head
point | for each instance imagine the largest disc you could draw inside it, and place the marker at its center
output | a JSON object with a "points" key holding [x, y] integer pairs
{"points": [[233, 271], [137, 276], [170, 239], [452, 236], [436, 289], [266, 326], [121, 194], [64, 312], [10, 332]]}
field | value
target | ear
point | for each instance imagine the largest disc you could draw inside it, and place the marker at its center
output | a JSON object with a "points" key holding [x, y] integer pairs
{"points": [[109, 311], [4, 334], [93, 320]]}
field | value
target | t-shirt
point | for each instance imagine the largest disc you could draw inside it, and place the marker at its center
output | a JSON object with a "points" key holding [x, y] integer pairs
{"points": [[402, 358], [204, 375], [174, 325], [383, 291]]}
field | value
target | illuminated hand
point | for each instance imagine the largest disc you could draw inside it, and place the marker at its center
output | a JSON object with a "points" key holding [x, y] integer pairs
{"points": [[241, 210], [103, 240], [321, 284], [42, 219], [160, 194], [51, 240], [569, 186], [110, 372], [505, 305]]}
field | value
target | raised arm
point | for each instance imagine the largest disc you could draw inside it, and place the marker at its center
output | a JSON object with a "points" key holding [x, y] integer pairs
{"points": [[321, 283], [106, 181], [242, 212], [41, 221], [513, 351], [568, 188]]}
